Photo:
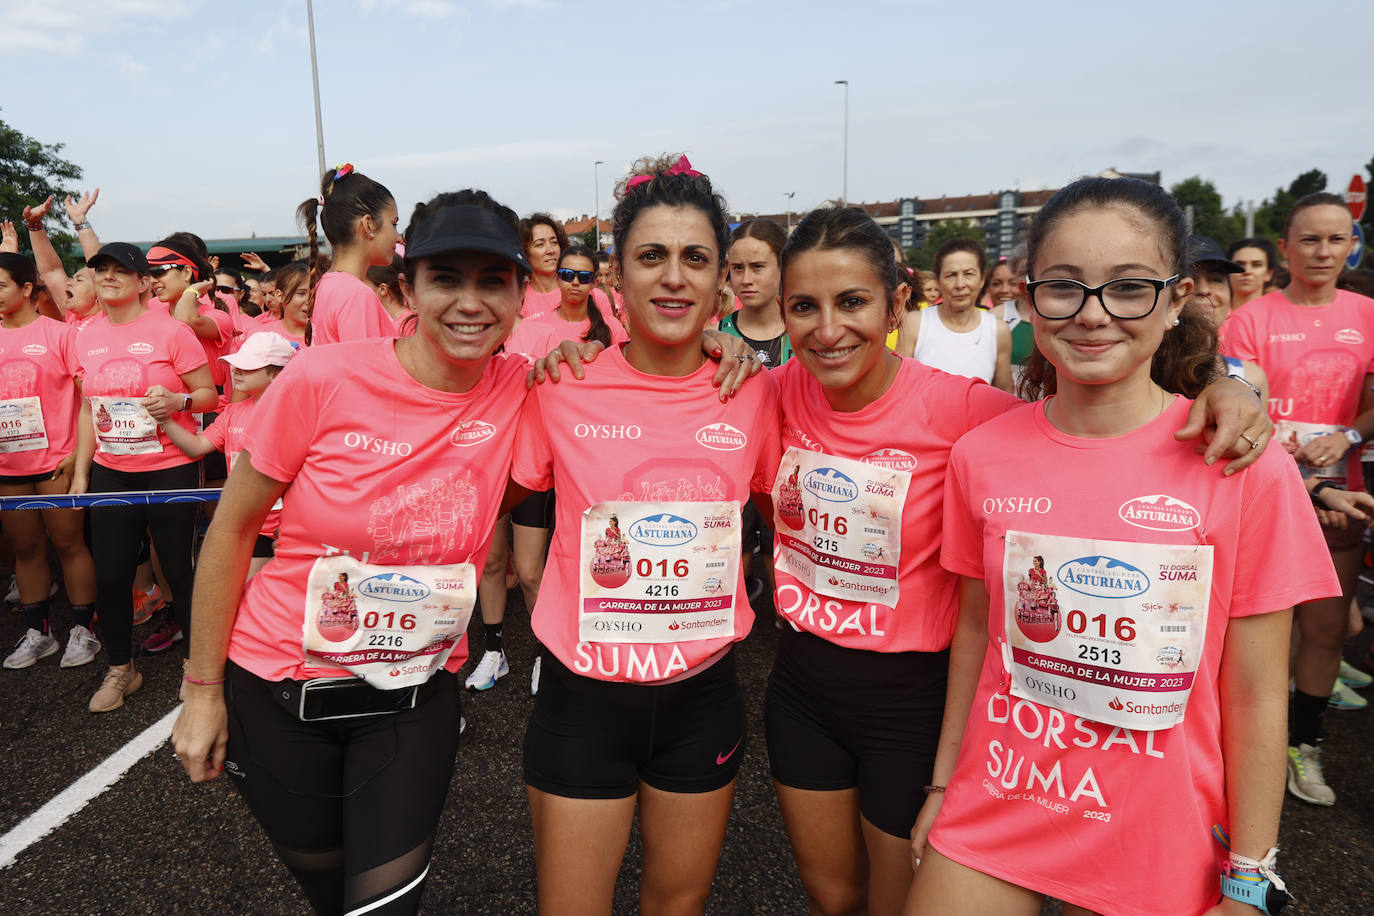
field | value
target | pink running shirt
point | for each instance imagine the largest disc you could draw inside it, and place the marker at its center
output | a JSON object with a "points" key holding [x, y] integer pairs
{"points": [[379, 467], [1071, 807], [536, 303], [346, 308], [125, 360], [39, 361], [574, 330], [275, 326], [1316, 360], [623, 435], [226, 434], [911, 428], [532, 339]]}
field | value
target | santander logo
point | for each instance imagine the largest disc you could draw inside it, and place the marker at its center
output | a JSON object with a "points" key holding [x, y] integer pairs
{"points": [[140, 348], [1117, 704], [1159, 513], [722, 437], [35, 349], [471, 432], [893, 459], [1349, 336]]}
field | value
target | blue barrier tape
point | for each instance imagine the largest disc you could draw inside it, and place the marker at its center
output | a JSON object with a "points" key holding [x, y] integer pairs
{"points": [[99, 500]]}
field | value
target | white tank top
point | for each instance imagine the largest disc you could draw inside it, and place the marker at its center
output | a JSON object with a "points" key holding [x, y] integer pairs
{"points": [[969, 353]]}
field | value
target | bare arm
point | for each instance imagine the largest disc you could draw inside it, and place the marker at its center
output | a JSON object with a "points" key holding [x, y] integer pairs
{"points": [[78, 212], [907, 332], [193, 444], [187, 313], [202, 728], [45, 257], [1001, 375], [85, 449], [966, 654]]}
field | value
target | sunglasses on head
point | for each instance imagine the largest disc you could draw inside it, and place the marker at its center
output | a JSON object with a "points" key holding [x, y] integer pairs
{"points": [[566, 274]]}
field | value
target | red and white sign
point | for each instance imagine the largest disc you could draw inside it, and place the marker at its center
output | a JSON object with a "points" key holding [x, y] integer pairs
{"points": [[1355, 197]]}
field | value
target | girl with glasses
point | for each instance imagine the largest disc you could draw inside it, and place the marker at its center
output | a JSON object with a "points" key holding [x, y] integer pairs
{"points": [[1111, 583]]}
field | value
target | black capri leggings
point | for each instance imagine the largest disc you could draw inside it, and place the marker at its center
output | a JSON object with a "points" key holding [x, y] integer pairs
{"points": [[350, 806], [116, 536]]}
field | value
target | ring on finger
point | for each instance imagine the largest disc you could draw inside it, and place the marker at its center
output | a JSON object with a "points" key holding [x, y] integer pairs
{"points": [[1253, 443]]}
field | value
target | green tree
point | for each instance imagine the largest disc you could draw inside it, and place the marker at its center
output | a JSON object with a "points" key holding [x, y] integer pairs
{"points": [[1209, 218], [924, 258], [30, 171], [1269, 216]]}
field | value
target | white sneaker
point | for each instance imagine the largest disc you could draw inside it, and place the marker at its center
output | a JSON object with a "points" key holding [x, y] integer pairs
{"points": [[489, 670], [1305, 779], [32, 646], [82, 647], [12, 596], [1343, 697], [1354, 677], [534, 676]]}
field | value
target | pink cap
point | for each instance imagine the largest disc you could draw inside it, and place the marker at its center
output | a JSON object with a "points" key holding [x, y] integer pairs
{"points": [[263, 348]]}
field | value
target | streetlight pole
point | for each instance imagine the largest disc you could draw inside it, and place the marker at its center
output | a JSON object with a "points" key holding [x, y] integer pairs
{"points": [[844, 196], [315, 78], [787, 208], [596, 217]]}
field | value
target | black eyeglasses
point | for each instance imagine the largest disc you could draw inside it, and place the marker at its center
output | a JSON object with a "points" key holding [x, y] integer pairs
{"points": [[1125, 299], [566, 274]]}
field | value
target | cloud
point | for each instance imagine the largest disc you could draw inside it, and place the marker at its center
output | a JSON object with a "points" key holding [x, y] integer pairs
{"points": [[43, 27], [430, 10], [283, 28], [127, 64]]}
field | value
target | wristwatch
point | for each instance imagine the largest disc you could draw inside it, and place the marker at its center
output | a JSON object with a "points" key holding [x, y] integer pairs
{"points": [[186, 405], [1352, 436], [1262, 895]]}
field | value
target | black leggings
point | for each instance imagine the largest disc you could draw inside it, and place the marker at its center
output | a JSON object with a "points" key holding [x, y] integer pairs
{"points": [[351, 806], [116, 535]]}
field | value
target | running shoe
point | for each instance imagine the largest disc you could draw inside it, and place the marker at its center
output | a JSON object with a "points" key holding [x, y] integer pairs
{"points": [[146, 604], [12, 596], [1354, 677], [534, 676], [32, 646], [82, 647], [118, 684], [1342, 697], [162, 638], [1305, 778], [489, 670]]}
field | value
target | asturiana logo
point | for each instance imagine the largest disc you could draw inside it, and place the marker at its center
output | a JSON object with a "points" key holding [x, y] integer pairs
{"points": [[139, 348], [722, 437], [663, 530], [1103, 577], [893, 459], [471, 432], [10, 411], [34, 349], [393, 587], [1349, 336], [831, 485], [1159, 513]]}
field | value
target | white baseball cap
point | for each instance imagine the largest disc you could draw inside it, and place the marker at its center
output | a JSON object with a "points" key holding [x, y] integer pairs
{"points": [[263, 348]]}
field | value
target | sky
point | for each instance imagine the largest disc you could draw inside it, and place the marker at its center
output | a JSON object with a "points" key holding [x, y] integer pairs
{"points": [[191, 114]]}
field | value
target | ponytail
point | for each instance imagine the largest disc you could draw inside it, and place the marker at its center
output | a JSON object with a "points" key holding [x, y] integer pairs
{"points": [[597, 328]]}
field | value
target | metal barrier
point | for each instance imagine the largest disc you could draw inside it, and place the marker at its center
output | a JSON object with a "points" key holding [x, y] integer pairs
{"points": [[99, 500]]}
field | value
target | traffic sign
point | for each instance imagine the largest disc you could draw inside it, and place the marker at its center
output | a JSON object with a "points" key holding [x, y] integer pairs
{"points": [[1355, 197], [1357, 253]]}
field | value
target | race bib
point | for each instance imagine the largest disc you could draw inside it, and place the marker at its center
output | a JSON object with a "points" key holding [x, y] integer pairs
{"points": [[1110, 631], [839, 525], [21, 425], [658, 572], [124, 427], [1293, 436], [393, 626]]}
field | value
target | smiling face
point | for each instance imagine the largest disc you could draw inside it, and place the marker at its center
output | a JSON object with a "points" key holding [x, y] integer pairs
{"points": [[116, 284], [543, 250], [1212, 292], [575, 292], [670, 275], [959, 279], [295, 310], [465, 303], [1258, 272], [1094, 246], [170, 282], [838, 315], [1002, 286], [1319, 240], [754, 273]]}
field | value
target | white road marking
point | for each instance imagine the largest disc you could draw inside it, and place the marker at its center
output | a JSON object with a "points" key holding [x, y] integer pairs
{"points": [[80, 793]]}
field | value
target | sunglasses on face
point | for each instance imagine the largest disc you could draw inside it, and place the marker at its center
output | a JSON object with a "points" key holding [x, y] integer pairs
{"points": [[227, 290], [162, 270], [566, 274]]}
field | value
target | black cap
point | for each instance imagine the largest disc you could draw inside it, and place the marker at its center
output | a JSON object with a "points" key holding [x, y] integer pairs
{"points": [[467, 228], [124, 254], [1202, 250]]}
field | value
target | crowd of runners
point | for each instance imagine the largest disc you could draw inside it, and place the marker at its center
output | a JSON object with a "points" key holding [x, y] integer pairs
{"points": [[1045, 594]]}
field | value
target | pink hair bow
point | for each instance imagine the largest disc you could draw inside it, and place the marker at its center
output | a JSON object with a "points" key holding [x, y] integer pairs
{"points": [[681, 167]]}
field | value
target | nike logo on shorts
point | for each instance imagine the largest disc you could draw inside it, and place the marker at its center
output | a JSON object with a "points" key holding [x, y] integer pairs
{"points": [[721, 758]]}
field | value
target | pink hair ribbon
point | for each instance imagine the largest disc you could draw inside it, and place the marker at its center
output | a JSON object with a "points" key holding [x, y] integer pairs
{"points": [[681, 167]]}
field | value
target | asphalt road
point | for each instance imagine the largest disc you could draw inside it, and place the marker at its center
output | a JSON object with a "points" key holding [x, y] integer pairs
{"points": [[156, 843]]}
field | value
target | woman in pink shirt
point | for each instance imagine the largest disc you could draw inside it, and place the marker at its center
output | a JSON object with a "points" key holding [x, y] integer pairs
{"points": [[1065, 754], [544, 239], [639, 704], [294, 282], [39, 405], [328, 685], [359, 218], [185, 283]]}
